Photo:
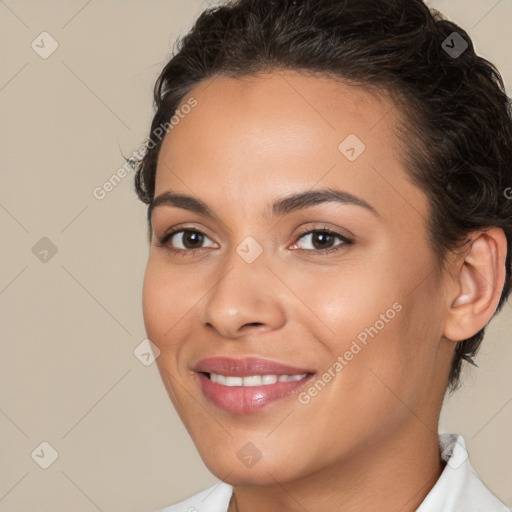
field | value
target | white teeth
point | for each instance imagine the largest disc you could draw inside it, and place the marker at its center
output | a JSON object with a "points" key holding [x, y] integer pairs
{"points": [[296, 377], [268, 379], [233, 381], [253, 380], [219, 379]]}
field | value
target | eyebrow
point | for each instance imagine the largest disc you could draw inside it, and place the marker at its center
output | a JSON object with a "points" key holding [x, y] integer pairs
{"points": [[281, 206]]}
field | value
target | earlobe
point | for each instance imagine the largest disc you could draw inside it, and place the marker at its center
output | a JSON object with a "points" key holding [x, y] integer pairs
{"points": [[479, 282]]}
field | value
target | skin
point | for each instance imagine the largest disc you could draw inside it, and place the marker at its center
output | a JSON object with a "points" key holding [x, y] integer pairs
{"points": [[368, 440]]}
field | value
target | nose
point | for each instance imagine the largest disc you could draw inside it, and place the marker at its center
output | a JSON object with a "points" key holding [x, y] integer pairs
{"points": [[244, 299]]}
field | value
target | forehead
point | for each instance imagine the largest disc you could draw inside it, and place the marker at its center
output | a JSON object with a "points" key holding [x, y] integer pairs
{"points": [[277, 111], [284, 131], [292, 97]]}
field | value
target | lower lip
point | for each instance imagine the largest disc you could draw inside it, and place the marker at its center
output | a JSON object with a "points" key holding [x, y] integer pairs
{"points": [[247, 399]]}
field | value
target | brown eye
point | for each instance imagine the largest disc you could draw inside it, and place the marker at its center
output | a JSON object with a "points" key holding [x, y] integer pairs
{"points": [[184, 240], [191, 239], [322, 240]]}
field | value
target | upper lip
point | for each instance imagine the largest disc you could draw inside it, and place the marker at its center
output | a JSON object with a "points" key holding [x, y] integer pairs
{"points": [[243, 367]]}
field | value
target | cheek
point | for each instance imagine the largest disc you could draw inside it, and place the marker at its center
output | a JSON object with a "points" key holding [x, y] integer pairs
{"points": [[377, 326], [392, 372], [164, 303], [347, 300], [170, 384], [152, 306]]}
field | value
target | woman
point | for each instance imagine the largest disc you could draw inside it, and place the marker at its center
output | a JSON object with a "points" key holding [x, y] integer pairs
{"points": [[330, 234]]}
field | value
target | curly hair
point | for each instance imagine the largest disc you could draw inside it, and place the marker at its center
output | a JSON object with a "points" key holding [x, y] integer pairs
{"points": [[457, 119]]}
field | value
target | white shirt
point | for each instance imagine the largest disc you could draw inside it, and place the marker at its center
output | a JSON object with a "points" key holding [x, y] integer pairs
{"points": [[458, 489]]}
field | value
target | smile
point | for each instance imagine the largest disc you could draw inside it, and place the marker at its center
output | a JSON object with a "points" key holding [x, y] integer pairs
{"points": [[246, 385], [253, 380]]}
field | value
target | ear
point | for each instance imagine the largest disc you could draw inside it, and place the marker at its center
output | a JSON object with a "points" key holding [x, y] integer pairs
{"points": [[477, 280]]}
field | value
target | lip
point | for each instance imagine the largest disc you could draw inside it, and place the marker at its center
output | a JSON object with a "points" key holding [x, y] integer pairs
{"points": [[247, 399], [247, 366]]}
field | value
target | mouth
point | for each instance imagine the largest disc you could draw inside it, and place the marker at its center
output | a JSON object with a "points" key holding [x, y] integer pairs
{"points": [[243, 386], [253, 380]]}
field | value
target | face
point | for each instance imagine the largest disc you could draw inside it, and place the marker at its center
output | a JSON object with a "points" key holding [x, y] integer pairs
{"points": [[336, 288]]}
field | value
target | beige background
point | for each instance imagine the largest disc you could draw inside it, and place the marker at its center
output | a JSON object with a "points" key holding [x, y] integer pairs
{"points": [[70, 324]]}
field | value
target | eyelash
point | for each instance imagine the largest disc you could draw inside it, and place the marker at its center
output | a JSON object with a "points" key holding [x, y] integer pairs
{"points": [[164, 241]]}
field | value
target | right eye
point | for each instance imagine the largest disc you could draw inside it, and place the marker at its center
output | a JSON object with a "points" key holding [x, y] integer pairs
{"points": [[186, 239]]}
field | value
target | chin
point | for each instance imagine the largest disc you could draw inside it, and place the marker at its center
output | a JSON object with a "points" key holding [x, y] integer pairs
{"points": [[233, 472], [251, 478]]}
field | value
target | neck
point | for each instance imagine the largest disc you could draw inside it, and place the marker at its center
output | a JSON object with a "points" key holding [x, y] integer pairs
{"points": [[386, 476]]}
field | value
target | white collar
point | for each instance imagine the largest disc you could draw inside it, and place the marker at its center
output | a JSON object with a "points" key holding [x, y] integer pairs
{"points": [[459, 489]]}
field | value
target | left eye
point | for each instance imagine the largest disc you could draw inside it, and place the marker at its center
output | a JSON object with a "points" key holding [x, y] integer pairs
{"points": [[322, 240], [190, 239]]}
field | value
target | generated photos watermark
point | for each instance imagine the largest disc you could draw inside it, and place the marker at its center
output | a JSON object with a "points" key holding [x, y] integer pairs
{"points": [[355, 348], [100, 192]]}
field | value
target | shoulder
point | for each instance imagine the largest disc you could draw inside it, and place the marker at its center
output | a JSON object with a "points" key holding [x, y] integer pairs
{"points": [[213, 499]]}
